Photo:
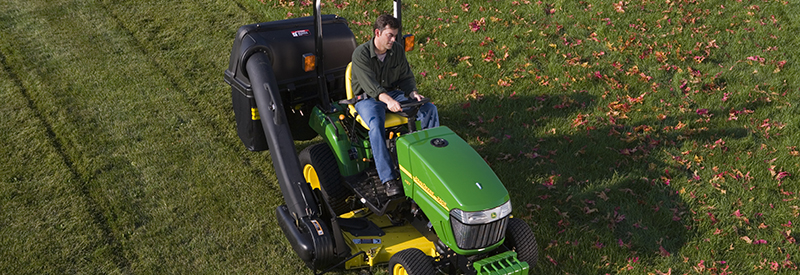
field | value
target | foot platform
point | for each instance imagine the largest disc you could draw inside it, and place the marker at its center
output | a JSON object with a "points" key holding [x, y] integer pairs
{"points": [[367, 186]]}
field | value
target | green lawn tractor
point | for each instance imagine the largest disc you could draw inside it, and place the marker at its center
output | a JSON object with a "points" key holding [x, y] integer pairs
{"points": [[290, 81]]}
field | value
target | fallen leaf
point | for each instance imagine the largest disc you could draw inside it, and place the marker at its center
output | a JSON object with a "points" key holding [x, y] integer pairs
{"points": [[602, 195], [551, 260], [782, 175], [663, 252], [619, 7], [504, 83]]}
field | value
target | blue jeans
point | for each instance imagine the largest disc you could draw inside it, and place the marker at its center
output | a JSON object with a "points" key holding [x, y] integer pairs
{"points": [[373, 113]]}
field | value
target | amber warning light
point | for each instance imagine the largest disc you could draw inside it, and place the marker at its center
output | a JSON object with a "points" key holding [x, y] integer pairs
{"points": [[408, 42], [309, 62]]}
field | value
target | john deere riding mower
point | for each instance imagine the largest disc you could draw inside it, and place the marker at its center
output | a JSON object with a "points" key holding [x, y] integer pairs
{"points": [[290, 81]]}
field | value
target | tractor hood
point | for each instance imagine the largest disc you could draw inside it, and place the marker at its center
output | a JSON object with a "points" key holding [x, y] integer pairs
{"points": [[441, 172]]}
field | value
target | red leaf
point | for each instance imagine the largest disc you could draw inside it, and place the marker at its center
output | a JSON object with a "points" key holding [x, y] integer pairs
{"points": [[551, 260], [488, 56], [477, 25], [599, 245], [756, 58], [663, 252], [713, 219], [619, 7], [782, 175]]}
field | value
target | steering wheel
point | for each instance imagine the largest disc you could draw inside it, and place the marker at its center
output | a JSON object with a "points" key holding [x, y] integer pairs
{"points": [[412, 105]]}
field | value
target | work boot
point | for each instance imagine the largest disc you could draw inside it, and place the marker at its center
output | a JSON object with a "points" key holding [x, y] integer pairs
{"points": [[393, 187]]}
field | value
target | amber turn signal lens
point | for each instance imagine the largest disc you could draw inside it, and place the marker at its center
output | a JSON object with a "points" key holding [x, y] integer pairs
{"points": [[408, 42], [309, 62]]}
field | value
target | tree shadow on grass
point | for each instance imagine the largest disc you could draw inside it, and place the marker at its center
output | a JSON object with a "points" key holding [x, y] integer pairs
{"points": [[599, 195]]}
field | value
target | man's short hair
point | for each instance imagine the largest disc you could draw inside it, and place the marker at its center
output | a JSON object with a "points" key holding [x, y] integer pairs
{"points": [[386, 20]]}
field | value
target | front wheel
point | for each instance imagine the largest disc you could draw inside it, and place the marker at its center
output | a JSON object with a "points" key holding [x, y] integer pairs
{"points": [[411, 261], [520, 239]]}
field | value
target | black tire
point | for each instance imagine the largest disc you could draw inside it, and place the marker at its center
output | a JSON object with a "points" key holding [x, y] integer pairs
{"points": [[411, 261], [520, 239], [320, 158]]}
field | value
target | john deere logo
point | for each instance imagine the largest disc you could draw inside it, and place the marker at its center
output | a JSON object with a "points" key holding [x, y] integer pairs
{"points": [[494, 215]]}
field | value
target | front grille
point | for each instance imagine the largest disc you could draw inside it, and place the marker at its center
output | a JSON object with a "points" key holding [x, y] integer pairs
{"points": [[469, 236]]}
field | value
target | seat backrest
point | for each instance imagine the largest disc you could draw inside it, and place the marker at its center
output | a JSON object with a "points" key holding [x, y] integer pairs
{"points": [[348, 80], [348, 86], [392, 119]]}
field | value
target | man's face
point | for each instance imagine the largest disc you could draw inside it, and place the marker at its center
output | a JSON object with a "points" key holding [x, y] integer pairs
{"points": [[384, 39]]}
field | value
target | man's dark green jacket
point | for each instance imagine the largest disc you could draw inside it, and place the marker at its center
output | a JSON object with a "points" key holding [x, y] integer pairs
{"points": [[373, 77]]}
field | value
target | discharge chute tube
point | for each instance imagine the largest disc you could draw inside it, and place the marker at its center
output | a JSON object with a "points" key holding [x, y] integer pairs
{"points": [[296, 192]]}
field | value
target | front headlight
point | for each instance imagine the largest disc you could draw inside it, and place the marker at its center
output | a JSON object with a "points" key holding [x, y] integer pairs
{"points": [[482, 217]]}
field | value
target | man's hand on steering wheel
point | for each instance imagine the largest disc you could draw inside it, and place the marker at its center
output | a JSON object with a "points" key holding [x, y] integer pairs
{"points": [[395, 106], [391, 104], [416, 95]]}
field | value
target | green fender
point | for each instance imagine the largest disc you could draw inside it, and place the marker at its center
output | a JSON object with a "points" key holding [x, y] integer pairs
{"points": [[330, 128]]}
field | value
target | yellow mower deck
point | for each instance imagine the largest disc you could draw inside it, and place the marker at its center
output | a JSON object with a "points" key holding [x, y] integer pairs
{"points": [[379, 249]]}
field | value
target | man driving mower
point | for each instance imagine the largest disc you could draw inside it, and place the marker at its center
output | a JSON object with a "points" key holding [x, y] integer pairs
{"points": [[382, 78]]}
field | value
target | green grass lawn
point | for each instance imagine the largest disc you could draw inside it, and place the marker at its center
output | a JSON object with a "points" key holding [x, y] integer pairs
{"points": [[636, 137]]}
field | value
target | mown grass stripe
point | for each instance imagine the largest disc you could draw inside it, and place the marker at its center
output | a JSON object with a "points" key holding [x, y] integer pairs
{"points": [[83, 180], [177, 82], [98, 216], [171, 187], [21, 179], [182, 84]]}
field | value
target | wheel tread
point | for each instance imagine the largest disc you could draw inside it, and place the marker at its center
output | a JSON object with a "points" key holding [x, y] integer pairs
{"points": [[520, 238], [414, 261], [324, 162]]}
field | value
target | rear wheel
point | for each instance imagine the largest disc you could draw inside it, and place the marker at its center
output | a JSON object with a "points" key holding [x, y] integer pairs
{"points": [[520, 239], [322, 173], [411, 261]]}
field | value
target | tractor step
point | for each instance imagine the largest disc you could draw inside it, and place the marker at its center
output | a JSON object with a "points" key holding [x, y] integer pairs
{"points": [[367, 186], [503, 263], [360, 227]]}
